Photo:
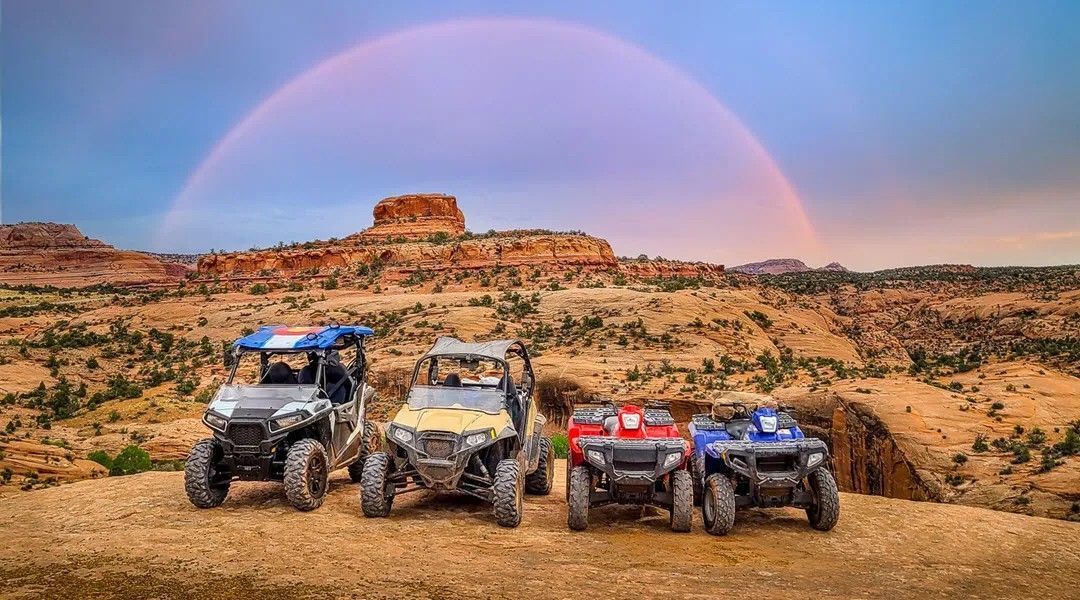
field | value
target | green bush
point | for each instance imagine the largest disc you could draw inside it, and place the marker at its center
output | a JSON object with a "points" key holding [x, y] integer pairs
{"points": [[131, 460], [101, 457], [560, 444]]}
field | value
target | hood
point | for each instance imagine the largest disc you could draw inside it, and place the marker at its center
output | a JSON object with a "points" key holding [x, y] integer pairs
{"points": [[454, 420]]}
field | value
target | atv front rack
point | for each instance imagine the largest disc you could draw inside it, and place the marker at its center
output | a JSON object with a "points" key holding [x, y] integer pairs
{"points": [[633, 461], [655, 415], [772, 464]]}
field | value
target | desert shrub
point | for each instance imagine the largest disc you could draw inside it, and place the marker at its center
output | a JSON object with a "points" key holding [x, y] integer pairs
{"points": [[960, 458], [101, 457], [131, 460], [762, 320], [330, 283], [561, 445], [259, 289], [980, 445], [1021, 454]]}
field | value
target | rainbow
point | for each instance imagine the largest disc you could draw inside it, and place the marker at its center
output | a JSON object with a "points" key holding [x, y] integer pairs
{"points": [[264, 113]]}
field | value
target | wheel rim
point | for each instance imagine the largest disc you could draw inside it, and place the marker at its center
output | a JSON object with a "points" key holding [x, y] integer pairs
{"points": [[317, 476], [707, 508]]}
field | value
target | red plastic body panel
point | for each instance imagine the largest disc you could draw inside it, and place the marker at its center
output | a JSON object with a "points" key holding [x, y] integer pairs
{"points": [[643, 431]]}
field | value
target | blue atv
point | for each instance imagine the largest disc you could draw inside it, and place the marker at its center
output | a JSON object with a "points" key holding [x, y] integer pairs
{"points": [[758, 457]]}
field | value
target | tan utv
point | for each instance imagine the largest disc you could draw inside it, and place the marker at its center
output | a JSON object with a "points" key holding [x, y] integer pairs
{"points": [[466, 426]]}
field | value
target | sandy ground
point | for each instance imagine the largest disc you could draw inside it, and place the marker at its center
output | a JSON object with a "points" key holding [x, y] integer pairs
{"points": [[137, 537]]}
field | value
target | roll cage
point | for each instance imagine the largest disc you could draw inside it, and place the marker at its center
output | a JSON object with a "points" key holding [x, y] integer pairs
{"points": [[331, 340]]}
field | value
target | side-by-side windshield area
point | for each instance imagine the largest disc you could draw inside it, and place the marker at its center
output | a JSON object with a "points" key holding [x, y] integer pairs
{"points": [[453, 371], [459, 382]]}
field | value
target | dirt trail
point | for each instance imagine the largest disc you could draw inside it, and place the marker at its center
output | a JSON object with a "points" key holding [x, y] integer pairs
{"points": [[137, 537]]}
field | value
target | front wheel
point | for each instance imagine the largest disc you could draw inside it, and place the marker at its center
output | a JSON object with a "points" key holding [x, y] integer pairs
{"points": [[682, 501], [376, 496], [578, 497], [509, 485], [718, 505], [205, 486], [539, 481], [825, 511], [306, 475]]}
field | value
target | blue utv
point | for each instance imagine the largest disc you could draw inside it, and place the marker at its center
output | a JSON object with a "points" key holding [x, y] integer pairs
{"points": [[756, 456], [294, 415]]}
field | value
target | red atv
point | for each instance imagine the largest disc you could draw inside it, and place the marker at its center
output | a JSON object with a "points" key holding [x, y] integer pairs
{"points": [[627, 455]]}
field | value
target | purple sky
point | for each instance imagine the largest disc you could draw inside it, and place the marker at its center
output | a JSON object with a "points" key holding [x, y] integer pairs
{"points": [[727, 132]]}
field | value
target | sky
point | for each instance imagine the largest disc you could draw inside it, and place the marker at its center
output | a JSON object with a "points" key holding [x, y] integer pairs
{"points": [[873, 134]]}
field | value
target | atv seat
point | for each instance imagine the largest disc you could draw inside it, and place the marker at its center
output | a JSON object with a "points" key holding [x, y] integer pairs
{"points": [[736, 428], [338, 382], [279, 373], [610, 423]]}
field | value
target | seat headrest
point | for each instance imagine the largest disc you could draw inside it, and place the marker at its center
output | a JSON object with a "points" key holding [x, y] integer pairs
{"points": [[452, 380]]}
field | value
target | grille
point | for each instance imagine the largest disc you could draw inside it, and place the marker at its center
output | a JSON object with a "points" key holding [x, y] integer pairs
{"points": [[634, 459], [249, 434], [776, 464], [436, 448]]}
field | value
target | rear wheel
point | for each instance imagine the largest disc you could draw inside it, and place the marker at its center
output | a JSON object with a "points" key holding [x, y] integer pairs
{"points": [[682, 501], [202, 481], [718, 505], [376, 497], [696, 472], [539, 481], [370, 443], [580, 488], [508, 490], [306, 475], [825, 511]]}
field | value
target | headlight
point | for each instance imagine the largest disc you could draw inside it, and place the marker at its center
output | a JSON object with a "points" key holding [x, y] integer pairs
{"points": [[476, 439], [672, 459], [596, 456], [287, 421], [768, 424], [631, 420], [814, 459], [403, 435], [215, 422]]}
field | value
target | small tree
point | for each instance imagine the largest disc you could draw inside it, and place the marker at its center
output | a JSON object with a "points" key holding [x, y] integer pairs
{"points": [[102, 458], [131, 460]]}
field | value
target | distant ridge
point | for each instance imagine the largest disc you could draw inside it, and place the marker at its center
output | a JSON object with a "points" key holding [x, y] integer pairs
{"points": [[779, 266]]}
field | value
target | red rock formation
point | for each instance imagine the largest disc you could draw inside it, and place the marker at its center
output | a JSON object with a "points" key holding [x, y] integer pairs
{"points": [[60, 255], [416, 217], [670, 268], [552, 249], [400, 237]]}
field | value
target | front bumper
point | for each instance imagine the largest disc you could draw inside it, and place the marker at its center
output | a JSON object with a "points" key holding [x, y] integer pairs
{"points": [[631, 462], [249, 450], [782, 464], [439, 458]]}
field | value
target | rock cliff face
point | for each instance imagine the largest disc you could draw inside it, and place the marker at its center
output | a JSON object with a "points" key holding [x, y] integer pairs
{"points": [[402, 237], [60, 255], [779, 266], [416, 217], [670, 268]]}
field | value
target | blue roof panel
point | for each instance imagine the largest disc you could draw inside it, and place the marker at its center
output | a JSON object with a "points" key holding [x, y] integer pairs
{"points": [[282, 337]]}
